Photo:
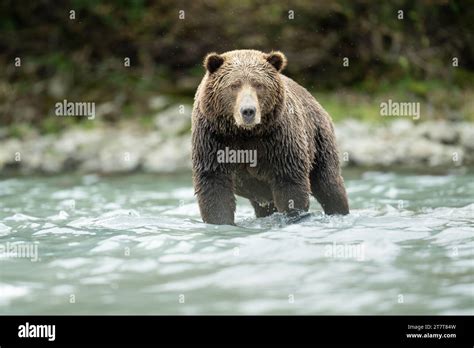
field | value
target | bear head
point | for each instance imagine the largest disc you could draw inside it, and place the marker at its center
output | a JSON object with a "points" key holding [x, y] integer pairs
{"points": [[244, 86]]}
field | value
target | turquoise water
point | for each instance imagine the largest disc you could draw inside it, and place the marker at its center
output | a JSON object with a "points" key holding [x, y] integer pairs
{"points": [[136, 244]]}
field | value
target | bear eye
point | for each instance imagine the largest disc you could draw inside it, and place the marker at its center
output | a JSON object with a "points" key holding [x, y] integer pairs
{"points": [[258, 86], [235, 86]]}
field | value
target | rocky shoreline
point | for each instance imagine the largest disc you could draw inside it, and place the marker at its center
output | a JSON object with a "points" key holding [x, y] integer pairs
{"points": [[166, 146]]}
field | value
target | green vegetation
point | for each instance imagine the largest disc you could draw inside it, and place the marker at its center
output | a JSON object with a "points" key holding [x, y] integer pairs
{"points": [[82, 59], [438, 100]]}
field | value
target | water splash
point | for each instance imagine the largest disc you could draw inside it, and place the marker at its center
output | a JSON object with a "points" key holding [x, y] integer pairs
{"points": [[136, 244]]}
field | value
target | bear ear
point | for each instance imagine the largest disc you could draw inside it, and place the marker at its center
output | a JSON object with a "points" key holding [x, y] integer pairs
{"points": [[277, 59], [212, 62]]}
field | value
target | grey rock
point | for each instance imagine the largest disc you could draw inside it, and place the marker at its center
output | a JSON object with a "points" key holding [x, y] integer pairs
{"points": [[158, 102], [174, 120], [441, 131], [172, 155], [10, 152], [167, 148], [466, 132]]}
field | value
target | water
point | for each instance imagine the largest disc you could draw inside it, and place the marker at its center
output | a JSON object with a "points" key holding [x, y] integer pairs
{"points": [[135, 244]]}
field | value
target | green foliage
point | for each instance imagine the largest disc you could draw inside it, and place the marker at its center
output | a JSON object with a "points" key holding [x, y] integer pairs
{"points": [[409, 57], [19, 130]]}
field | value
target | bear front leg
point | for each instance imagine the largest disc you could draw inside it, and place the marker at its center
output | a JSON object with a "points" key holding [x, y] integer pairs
{"points": [[263, 210], [215, 198], [291, 198]]}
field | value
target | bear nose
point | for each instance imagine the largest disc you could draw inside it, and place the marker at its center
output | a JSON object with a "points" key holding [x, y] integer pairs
{"points": [[248, 113]]}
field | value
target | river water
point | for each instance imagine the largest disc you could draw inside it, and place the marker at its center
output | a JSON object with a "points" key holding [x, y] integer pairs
{"points": [[136, 245]]}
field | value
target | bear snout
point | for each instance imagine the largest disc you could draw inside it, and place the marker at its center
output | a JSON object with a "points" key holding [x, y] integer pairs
{"points": [[247, 111], [248, 114]]}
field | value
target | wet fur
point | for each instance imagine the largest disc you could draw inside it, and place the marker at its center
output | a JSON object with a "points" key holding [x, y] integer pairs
{"points": [[296, 152]]}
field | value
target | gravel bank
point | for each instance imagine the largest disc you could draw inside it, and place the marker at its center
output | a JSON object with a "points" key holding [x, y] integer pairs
{"points": [[166, 146]]}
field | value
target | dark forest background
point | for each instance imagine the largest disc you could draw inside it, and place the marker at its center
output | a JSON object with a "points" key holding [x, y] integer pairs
{"points": [[83, 58]]}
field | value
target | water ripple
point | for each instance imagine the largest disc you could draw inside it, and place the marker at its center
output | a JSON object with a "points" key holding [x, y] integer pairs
{"points": [[137, 245]]}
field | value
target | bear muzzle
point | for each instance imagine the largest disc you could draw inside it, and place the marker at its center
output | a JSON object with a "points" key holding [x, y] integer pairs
{"points": [[247, 114]]}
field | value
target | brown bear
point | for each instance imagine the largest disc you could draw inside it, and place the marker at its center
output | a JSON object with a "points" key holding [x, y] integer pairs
{"points": [[258, 134]]}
